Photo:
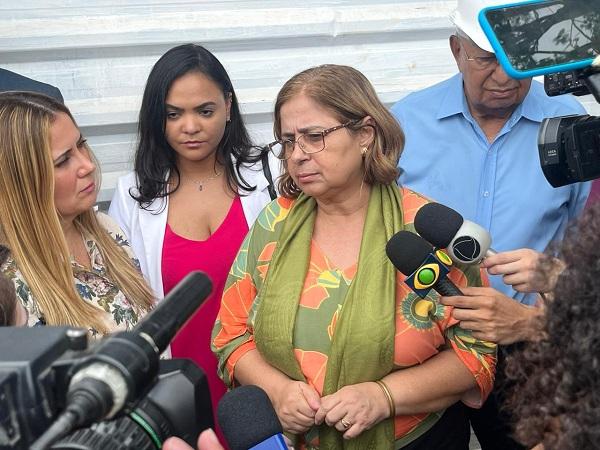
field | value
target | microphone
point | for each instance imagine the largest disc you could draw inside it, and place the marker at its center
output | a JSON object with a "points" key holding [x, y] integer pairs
{"points": [[248, 420], [125, 364], [424, 267], [465, 241]]}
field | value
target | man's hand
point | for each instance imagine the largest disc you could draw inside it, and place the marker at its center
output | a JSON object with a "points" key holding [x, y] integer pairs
{"points": [[494, 317], [523, 269]]}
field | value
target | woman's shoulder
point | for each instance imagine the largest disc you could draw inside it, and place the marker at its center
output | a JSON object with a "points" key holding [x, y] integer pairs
{"points": [[127, 181], [254, 172], [411, 202], [274, 214], [117, 234], [122, 200], [124, 206], [408, 195], [112, 228]]}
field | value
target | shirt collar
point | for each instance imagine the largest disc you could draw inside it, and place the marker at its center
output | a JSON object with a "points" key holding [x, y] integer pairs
{"points": [[531, 107], [454, 102]]}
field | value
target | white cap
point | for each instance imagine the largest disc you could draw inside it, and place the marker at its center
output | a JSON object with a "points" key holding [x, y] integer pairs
{"points": [[466, 18]]}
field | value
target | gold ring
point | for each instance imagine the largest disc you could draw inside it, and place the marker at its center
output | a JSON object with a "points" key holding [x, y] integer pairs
{"points": [[345, 424]]}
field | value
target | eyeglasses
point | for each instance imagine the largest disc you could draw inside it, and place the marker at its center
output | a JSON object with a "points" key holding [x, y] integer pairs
{"points": [[481, 62], [309, 143]]}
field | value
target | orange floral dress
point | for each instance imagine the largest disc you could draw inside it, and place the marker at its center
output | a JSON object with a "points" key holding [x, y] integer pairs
{"points": [[423, 326]]}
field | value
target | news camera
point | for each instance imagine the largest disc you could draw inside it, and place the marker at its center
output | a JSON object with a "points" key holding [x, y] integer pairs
{"points": [[56, 392], [559, 39]]}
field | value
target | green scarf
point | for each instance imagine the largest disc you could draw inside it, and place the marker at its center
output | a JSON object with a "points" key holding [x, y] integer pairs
{"points": [[362, 347]]}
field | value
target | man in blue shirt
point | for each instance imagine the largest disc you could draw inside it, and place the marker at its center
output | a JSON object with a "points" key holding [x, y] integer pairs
{"points": [[471, 144]]}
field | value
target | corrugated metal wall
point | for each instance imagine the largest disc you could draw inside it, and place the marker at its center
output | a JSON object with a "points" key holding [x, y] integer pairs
{"points": [[100, 52]]}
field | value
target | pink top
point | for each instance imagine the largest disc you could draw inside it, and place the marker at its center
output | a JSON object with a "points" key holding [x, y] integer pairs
{"points": [[214, 256]]}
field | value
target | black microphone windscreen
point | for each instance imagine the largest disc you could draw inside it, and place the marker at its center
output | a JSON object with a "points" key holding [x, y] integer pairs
{"points": [[247, 417], [407, 251], [438, 224], [169, 315]]}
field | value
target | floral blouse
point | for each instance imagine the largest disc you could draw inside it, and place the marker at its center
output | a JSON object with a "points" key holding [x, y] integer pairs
{"points": [[423, 326], [92, 284]]}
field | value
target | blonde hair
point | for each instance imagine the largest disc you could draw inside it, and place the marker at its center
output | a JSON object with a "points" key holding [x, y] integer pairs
{"points": [[350, 97], [30, 224]]}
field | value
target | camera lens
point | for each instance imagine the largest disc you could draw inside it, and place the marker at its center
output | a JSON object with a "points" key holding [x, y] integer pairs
{"points": [[569, 149]]}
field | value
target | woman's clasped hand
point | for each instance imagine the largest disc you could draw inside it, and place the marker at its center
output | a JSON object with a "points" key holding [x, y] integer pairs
{"points": [[350, 410]]}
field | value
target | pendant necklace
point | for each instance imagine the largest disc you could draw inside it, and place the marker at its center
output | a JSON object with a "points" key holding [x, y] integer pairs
{"points": [[201, 183]]}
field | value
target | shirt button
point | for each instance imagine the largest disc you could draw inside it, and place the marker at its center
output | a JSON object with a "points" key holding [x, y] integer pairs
{"points": [[486, 194]]}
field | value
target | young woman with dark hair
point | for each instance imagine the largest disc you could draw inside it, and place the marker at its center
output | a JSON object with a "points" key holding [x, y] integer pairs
{"points": [[197, 186]]}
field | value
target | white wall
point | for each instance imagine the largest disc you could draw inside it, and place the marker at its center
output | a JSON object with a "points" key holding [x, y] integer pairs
{"points": [[100, 52]]}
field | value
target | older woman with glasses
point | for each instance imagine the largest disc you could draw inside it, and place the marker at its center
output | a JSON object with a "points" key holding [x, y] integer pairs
{"points": [[315, 314]]}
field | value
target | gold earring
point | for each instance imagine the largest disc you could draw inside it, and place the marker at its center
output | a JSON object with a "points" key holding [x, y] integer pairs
{"points": [[364, 151]]}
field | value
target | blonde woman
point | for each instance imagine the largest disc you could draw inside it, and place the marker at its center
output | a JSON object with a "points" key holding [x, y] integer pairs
{"points": [[70, 265]]}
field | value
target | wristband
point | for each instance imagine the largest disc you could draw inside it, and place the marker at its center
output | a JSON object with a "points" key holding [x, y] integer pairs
{"points": [[389, 397]]}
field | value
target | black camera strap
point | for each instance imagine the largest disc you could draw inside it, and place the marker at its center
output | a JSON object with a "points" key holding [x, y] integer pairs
{"points": [[264, 157]]}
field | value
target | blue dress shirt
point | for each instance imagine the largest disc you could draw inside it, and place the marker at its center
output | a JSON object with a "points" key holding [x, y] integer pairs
{"points": [[498, 185]]}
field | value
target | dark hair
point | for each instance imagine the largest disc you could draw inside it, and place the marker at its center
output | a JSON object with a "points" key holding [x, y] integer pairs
{"points": [[8, 296], [154, 156], [555, 398]]}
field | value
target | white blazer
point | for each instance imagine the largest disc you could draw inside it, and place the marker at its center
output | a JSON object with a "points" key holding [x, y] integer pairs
{"points": [[145, 228]]}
